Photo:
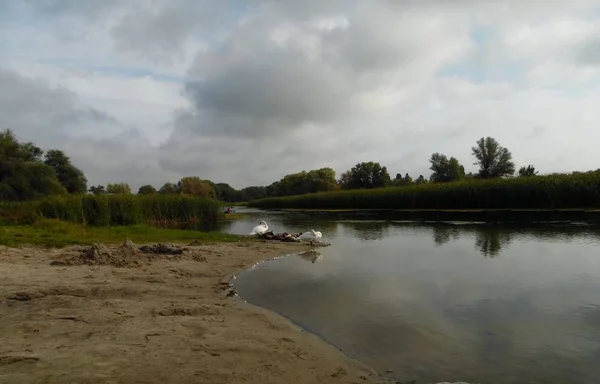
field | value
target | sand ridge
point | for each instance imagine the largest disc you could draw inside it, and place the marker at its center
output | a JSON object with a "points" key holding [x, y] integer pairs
{"points": [[152, 314]]}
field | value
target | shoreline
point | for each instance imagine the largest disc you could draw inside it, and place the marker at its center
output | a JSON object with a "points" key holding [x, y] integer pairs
{"points": [[167, 318], [568, 216]]}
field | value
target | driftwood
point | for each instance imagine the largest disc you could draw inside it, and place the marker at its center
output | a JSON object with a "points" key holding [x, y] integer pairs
{"points": [[291, 238]]}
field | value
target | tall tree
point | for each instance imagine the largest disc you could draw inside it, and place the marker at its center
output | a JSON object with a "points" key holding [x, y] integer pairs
{"points": [[365, 175], [69, 176], [493, 159], [253, 192], [444, 169], [169, 189], [118, 188], [23, 176], [146, 190], [97, 190], [195, 186], [527, 171]]}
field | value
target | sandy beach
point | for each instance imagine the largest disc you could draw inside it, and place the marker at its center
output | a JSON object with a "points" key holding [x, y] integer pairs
{"points": [[131, 314]]}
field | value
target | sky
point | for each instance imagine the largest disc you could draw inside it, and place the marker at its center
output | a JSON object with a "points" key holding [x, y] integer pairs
{"points": [[245, 92]]}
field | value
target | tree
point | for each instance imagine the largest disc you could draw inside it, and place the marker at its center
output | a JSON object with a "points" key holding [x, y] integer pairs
{"points": [[97, 190], [146, 190], [527, 171], [23, 176], [253, 193], [193, 185], [444, 169], [420, 180], [118, 188], [402, 180], [69, 176], [227, 193], [493, 159], [316, 180], [169, 189], [365, 175]]}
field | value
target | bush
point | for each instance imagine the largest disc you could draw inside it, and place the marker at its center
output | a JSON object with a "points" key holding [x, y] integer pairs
{"points": [[113, 210], [539, 192]]}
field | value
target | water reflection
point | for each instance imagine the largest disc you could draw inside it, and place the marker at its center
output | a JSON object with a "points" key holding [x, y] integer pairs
{"points": [[312, 256], [366, 230], [443, 234], [422, 301]]}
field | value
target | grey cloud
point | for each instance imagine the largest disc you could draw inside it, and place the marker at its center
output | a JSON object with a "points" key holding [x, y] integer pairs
{"points": [[270, 77], [34, 110], [160, 32], [92, 10], [589, 52], [52, 118]]}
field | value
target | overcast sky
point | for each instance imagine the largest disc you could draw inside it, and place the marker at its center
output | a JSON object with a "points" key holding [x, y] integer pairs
{"points": [[245, 92]]}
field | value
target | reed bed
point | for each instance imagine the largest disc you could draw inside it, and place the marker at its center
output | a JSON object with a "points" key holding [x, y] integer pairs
{"points": [[116, 210], [538, 192]]}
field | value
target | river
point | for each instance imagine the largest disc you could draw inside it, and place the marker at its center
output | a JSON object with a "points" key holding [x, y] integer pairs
{"points": [[431, 303]]}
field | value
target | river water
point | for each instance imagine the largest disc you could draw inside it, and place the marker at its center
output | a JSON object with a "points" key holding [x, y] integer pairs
{"points": [[432, 303]]}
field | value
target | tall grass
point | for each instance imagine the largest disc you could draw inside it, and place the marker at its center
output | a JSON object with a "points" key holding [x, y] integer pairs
{"points": [[539, 192], [116, 210]]}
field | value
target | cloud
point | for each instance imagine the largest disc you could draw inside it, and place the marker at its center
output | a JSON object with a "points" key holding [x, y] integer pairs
{"points": [[246, 92]]}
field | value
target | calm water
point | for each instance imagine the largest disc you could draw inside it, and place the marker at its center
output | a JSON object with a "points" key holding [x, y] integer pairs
{"points": [[442, 303]]}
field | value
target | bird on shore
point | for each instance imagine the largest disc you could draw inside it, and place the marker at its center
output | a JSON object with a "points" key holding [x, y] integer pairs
{"points": [[260, 228], [312, 235]]}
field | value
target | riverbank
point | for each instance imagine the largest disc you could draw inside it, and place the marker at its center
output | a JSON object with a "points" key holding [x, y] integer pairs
{"points": [[129, 314]]}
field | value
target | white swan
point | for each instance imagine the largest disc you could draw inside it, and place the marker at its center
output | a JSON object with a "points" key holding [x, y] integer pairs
{"points": [[312, 235], [260, 228]]}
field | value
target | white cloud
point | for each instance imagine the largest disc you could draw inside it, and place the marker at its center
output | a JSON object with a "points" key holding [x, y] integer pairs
{"points": [[245, 93]]}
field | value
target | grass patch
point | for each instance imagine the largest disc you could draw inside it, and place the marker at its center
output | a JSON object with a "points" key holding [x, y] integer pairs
{"points": [[56, 233]]}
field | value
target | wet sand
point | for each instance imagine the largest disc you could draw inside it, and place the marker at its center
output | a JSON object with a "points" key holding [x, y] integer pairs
{"points": [[120, 315]]}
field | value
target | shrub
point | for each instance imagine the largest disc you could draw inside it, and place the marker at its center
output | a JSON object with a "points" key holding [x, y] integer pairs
{"points": [[113, 210]]}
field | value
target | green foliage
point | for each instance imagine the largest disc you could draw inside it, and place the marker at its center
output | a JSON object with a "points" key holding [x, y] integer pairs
{"points": [[114, 210], [316, 180], [493, 159], [23, 176], [56, 233], [420, 180], [147, 190], [541, 192], [118, 189], [527, 171], [195, 186], [366, 175], [97, 190], [444, 169], [69, 177], [169, 189], [401, 181]]}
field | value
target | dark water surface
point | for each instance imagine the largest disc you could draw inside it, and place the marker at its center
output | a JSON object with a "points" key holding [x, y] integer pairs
{"points": [[484, 304]]}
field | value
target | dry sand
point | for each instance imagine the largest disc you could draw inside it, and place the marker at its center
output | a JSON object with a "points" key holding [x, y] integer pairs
{"points": [[161, 315]]}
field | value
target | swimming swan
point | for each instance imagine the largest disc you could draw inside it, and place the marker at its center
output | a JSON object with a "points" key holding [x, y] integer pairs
{"points": [[312, 234], [260, 228]]}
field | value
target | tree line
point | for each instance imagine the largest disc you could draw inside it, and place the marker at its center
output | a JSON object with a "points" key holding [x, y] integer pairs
{"points": [[27, 173]]}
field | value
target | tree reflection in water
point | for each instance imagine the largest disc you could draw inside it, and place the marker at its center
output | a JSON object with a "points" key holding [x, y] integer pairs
{"points": [[367, 230], [442, 234], [491, 240]]}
